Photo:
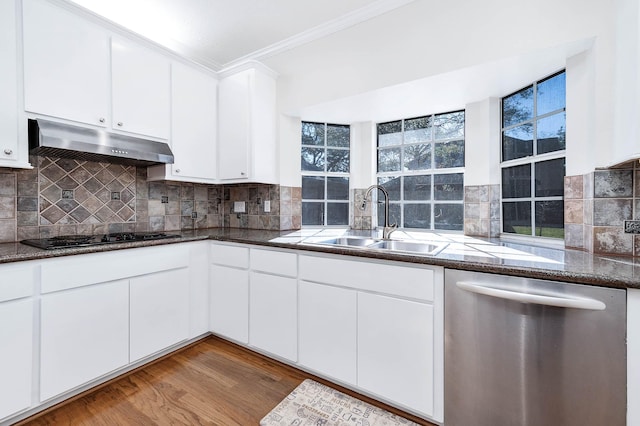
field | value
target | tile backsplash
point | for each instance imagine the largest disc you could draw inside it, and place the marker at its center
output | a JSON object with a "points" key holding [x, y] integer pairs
{"points": [[596, 206], [63, 196]]}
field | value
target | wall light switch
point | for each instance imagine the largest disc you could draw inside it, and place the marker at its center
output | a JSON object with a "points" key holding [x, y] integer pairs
{"points": [[239, 206], [267, 206]]}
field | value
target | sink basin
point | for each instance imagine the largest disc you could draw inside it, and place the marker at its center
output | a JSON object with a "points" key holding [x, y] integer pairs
{"points": [[348, 241], [402, 246], [407, 246]]}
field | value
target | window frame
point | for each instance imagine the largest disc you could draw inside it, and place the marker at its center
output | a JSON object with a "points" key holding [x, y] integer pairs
{"points": [[432, 172], [327, 174], [531, 160]]}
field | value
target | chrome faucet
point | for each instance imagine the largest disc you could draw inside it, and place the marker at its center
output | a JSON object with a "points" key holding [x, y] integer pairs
{"points": [[387, 229]]}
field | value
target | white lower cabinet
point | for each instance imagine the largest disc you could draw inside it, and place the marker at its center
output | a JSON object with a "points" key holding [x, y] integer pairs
{"points": [[229, 302], [84, 335], [16, 335], [327, 330], [159, 312], [376, 325], [273, 311], [396, 350], [17, 284]]}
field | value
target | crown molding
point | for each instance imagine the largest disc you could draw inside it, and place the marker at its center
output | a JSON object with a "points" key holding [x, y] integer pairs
{"points": [[345, 21], [246, 65]]}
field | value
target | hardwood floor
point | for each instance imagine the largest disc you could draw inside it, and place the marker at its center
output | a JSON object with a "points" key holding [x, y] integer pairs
{"points": [[212, 382]]}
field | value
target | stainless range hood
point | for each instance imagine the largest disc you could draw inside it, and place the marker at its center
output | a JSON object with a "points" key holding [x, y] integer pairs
{"points": [[52, 139]]}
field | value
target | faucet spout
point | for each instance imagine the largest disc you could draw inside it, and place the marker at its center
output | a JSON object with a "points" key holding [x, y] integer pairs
{"points": [[387, 229]]}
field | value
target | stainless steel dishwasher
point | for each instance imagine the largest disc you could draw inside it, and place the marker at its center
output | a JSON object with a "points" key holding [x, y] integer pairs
{"points": [[526, 352]]}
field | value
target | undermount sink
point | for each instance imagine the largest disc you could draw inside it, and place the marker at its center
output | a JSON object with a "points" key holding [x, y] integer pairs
{"points": [[414, 247], [349, 241], [407, 246]]}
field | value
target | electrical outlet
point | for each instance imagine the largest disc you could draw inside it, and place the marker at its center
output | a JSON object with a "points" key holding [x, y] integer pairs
{"points": [[632, 226], [194, 215], [267, 206], [239, 206]]}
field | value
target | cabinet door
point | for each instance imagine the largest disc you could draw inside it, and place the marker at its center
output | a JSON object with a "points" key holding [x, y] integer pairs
{"points": [[230, 302], [84, 335], [8, 86], [273, 324], [327, 330], [198, 288], [66, 64], [235, 126], [193, 119], [16, 335], [159, 311], [396, 350], [141, 90]]}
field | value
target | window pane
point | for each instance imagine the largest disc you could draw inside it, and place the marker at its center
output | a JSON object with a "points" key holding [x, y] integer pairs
{"points": [[551, 133], [312, 133], [312, 213], [394, 214], [312, 159], [417, 187], [417, 216], [551, 94], [390, 133], [418, 130], [338, 160], [417, 157], [313, 187], [516, 217], [449, 154], [517, 107], [449, 125], [337, 188], [517, 142], [516, 181], [550, 219], [392, 185], [550, 178], [448, 187], [337, 135], [389, 160], [448, 216], [337, 214]]}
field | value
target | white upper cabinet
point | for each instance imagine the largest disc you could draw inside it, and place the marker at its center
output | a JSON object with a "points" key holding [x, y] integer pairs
{"points": [[141, 82], [66, 65], [193, 127], [76, 70], [247, 127], [12, 154]]}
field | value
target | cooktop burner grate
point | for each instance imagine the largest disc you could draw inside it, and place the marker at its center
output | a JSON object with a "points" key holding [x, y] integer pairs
{"points": [[94, 240]]}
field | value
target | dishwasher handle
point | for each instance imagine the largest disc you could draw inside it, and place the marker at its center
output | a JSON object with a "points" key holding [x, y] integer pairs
{"points": [[538, 299]]}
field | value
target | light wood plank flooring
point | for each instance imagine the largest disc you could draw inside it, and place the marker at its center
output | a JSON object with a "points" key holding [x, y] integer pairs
{"points": [[212, 382]]}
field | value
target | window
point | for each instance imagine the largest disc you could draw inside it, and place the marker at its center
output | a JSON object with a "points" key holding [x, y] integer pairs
{"points": [[325, 174], [421, 164], [533, 163]]}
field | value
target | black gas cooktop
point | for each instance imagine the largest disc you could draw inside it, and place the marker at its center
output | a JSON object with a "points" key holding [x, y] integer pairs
{"points": [[66, 241]]}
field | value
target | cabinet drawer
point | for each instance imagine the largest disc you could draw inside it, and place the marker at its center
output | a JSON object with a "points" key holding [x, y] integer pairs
{"points": [[78, 271], [229, 255], [391, 278], [274, 262], [17, 282]]}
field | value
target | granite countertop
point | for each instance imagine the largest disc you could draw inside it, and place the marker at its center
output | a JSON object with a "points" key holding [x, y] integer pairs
{"points": [[458, 252]]}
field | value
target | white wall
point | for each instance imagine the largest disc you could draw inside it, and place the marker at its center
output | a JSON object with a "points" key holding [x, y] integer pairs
{"points": [[482, 142], [424, 58]]}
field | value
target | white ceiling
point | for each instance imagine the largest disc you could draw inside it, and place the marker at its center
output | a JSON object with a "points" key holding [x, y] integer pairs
{"points": [[221, 33]]}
